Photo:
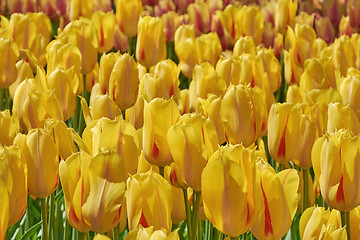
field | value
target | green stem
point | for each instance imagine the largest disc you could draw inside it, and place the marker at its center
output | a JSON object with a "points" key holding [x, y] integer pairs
{"points": [[211, 231], [123, 112], [188, 216], [345, 221], [305, 202], [116, 233], [132, 46], [67, 230], [1, 99], [161, 171], [76, 114], [235, 238], [52, 216], [281, 167], [81, 116], [7, 98], [199, 228], [196, 213], [45, 234], [28, 213]]}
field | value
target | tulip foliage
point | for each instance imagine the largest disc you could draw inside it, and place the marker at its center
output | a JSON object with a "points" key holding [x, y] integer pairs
{"points": [[179, 119]]}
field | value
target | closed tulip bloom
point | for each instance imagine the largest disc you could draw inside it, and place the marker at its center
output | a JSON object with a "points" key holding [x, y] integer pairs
{"points": [[24, 71], [211, 48], [318, 223], [151, 41], [178, 212], [4, 210], [252, 23], [171, 21], [343, 54], [349, 89], [52, 8], [284, 131], [10, 53], [342, 116], [82, 34], [121, 41], [127, 15], [80, 8], [277, 201], [325, 29], [105, 26], [188, 52], [228, 18], [335, 161], [12, 172], [244, 45], [355, 223], [168, 72], [200, 17], [188, 147], [20, 6], [135, 114], [159, 116], [271, 67], [116, 135], [150, 233], [152, 86], [184, 32], [149, 201], [285, 14], [124, 82], [107, 62], [9, 127], [62, 137], [228, 195], [229, 69], [42, 160], [104, 207], [243, 114]]}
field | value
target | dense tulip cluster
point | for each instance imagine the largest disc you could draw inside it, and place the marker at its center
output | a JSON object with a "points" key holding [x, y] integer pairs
{"points": [[179, 119]]}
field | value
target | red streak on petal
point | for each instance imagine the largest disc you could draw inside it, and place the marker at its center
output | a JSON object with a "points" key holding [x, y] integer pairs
{"points": [[248, 218], [155, 151], [72, 215], [292, 80], [282, 145], [171, 90], [263, 126], [203, 135], [142, 54], [143, 221], [102, 38], [233, 29], [117, 217], [252, 84], [268, 224], [173, 177], [340, 192]]}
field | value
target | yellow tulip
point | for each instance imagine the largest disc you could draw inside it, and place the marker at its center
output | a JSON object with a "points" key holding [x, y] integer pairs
{"points": [[168, 72], [107, 62], [210, 48], [335, 161], [150, 233], [24, 71], [9, 127], [228, 18], [135, 114], [151, 41], [42, 158], [10, 53], [4, 210], [127, 16], [228, 192], [355, 223], [271, 67], [80, 8], [82, 34], [92, 78], [342, 116], [62, 137], [101, 237], [105, 205], [171, 21], [121, 41], [124, 82], [324, 29], [244, 45], [229, 69], [184, 32], [105, 26], [285, 14], [277, 201], [243, 114], [284, 131], [178, 212], [252, 22], [13, 173], [149, 201], [188, 52], [318, 223], [19, 6], [349, 89], [199, 16], [343, 54], [159, 116], [184, 101]]}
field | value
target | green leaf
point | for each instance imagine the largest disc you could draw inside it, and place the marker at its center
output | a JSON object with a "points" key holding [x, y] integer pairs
{"points": [[31, 231]]}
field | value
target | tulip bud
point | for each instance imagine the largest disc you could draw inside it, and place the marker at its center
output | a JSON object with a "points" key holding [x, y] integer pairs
{"points": [[24, 72], [105, 26], [277, 201], [272, 68], [184, 32], [127, 16], [12, 172], [80, 8], [124, 82], [9, 128], [151, 234], [223, 180], [229, 69], [243, 114], [343, 54], [335, 160], [349, 89], [149, 201], [121, 41], [211, 48], [168, 72], [135, 114], [42, 158], [252, 23], [342, 116], [199, 16], [151, 41], [171, 21], [244, 45], [159, 116], [285, 14], [324, 29], [188, 52], [10, 53], [228, 19]]}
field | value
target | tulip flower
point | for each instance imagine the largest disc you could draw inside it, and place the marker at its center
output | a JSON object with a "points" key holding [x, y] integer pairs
{"points": [[228, 192], [62, 137], [121, 41], [151, 41], [284, 131], [151, 234], [184, 32], [105, 26], [354, 223], [243, 114], [342, 116], [107, 62], [318, 223], [325, 29], [101, 237], [127, 16], [135, 114], [188, 52], [277, 201], [182, 5], [116, 135], [244, 45], [335, 162], [211, 48], [285, 14], [104, 206], [343, 54], [229, 69], [9, 127], [4, 210], [80, 8], [178, 212], [252, 23], [20, 6], [10, 53], [124, 82], [171, 21], [200, 17], [42, 159], [24, 72], [349, 89], [271, 67], [82, 34], [149, 201], [159, 116], [54, 9], [168, 72], [13, 173]]}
